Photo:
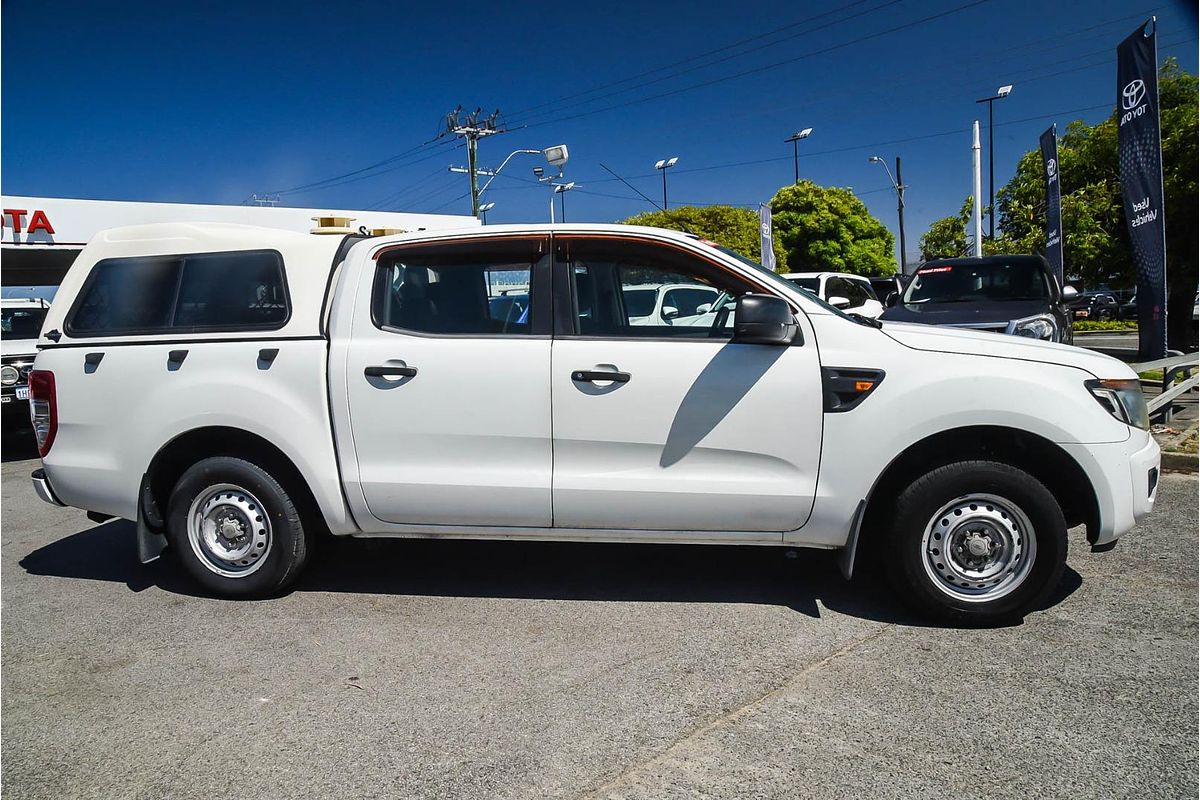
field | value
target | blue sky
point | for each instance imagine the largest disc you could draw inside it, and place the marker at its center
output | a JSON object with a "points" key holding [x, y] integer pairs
{"points": [[211, 102]]}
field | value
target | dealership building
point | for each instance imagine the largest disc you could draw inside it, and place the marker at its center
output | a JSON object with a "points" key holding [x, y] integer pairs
{"points": [[42, 235]]}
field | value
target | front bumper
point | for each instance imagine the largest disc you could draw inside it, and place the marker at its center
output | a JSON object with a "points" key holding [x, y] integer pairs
{"points": [[1124, 476], [41, 485]]}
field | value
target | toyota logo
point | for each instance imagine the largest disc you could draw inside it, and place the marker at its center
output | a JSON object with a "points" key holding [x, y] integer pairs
{"points": [[1051, 167], [1132, 94]]}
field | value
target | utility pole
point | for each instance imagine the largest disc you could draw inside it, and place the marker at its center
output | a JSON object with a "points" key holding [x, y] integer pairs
{"points": [[900, 211], [795, 137], [471, 128]]}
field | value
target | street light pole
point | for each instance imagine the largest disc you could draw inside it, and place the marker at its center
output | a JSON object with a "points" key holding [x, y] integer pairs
{"points": [[794, 138], [899, 187], [1002, 92], [663, 166]]}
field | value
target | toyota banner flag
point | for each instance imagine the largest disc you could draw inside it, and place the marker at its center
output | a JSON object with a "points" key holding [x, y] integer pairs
{"points": [[764, 237], [1054, 248], [1139, 151]]}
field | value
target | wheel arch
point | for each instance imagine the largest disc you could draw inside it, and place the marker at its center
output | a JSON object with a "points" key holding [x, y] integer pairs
{"points": [[192, 446], [1046, 461]]}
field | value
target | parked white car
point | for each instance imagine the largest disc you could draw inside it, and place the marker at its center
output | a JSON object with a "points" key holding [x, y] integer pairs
{"points": [[851, 293], [662, 304], [21, 322], [235, 390]]}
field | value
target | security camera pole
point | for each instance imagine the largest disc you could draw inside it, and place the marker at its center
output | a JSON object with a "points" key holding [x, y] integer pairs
{"points": [[556, 156], [795, 137], [663, 166], [1002, 92]]}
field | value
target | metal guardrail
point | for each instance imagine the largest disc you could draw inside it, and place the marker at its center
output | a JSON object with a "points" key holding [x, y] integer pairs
{"points": [[1171, 366]]}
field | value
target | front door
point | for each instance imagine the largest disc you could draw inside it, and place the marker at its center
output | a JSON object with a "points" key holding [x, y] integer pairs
{"points": [[448, 381], [692, 432]]}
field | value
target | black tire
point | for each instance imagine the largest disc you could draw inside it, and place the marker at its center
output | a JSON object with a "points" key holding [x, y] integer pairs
{"points": [[915, 510], [288, 540]]}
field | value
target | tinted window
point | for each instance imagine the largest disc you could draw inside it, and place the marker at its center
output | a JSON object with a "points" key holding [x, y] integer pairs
{"points": [[23, 323], [982, 281], [812, 284], [639, 302], [613, 278], [465, 288], [158, 294]]}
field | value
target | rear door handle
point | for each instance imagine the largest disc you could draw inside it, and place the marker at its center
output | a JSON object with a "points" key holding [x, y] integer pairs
{"points": [[390, 372], [595, 375]]}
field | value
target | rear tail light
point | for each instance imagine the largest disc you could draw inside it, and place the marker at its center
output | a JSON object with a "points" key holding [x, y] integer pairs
{"points": [[43, 408]]}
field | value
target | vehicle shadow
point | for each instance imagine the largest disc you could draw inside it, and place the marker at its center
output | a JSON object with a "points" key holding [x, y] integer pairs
{"points": [[17, 443], [805, 583]]}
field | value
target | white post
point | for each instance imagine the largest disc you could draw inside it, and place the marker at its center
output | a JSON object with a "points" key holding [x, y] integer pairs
{"points": [[552, 204], [977, 206]]}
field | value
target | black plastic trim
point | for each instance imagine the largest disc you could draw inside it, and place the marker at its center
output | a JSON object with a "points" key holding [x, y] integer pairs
{"points": [[148, 342], [839, 389]]}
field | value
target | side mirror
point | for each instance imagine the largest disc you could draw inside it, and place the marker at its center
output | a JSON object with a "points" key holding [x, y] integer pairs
{"points": [[837, 301], [670, 312], [891, 299], [763, 319], [703, 308], [1069, 293]]}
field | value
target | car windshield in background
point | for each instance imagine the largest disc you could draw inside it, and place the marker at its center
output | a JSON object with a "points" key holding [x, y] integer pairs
{"points": [[812, 284], [22, 323], [639, 302], [978, 283]]}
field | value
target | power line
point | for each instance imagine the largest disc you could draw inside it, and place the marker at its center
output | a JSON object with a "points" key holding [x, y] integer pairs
{"points": [[765, 67], [687, 60], [558, 107]]}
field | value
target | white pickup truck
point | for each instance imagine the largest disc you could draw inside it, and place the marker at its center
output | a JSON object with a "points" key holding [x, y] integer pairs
{"points": [[237, 390]]}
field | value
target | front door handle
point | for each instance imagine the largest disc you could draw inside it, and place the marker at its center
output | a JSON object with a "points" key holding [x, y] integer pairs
{"points": [[390, 371], [596, 375]]}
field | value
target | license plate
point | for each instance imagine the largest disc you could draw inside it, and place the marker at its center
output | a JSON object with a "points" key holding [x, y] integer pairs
{"points": [[1081, 314], [22, 392]]}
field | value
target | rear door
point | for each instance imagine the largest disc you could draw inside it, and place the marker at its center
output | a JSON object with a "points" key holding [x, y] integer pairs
{"points": [[448, 386], [693, 432]]}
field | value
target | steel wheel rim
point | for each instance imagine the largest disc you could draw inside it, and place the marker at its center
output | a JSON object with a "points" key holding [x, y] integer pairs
{"points": [[978, 548], [229, 531]]}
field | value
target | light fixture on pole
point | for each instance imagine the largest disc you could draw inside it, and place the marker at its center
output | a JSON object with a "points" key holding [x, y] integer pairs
{"points": [[1001, 93], [663, 166], [561, 190], [795, 137], [483, 209], [899, 187]]}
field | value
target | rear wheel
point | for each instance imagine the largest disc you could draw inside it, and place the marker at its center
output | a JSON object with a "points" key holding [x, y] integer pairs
{"points": [[235, 529], [977, 541]]}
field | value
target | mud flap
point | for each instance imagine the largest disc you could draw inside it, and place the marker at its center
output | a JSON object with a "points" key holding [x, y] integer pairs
{"points": [[150, 544], [846, 557]]}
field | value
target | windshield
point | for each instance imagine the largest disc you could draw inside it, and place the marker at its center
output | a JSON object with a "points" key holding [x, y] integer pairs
{"points": [[639, 302], [978, 282], [23, 323], [812, 284]]}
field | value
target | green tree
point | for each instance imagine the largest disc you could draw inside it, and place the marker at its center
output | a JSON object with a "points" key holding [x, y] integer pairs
{"points": [[947, 237], [828, 228], [1095, 236], [735, 228]]}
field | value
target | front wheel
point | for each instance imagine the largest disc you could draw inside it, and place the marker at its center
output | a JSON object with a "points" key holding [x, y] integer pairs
{"points": [[235, 529], [977, 542]]}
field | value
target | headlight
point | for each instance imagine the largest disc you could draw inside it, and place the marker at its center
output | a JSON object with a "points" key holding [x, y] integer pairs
{"points": [[9, 375], [1039, 327], [1123, 399]]}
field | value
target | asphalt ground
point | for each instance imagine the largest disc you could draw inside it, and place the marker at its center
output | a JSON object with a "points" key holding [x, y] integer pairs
{"points": [[509, 670]]}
